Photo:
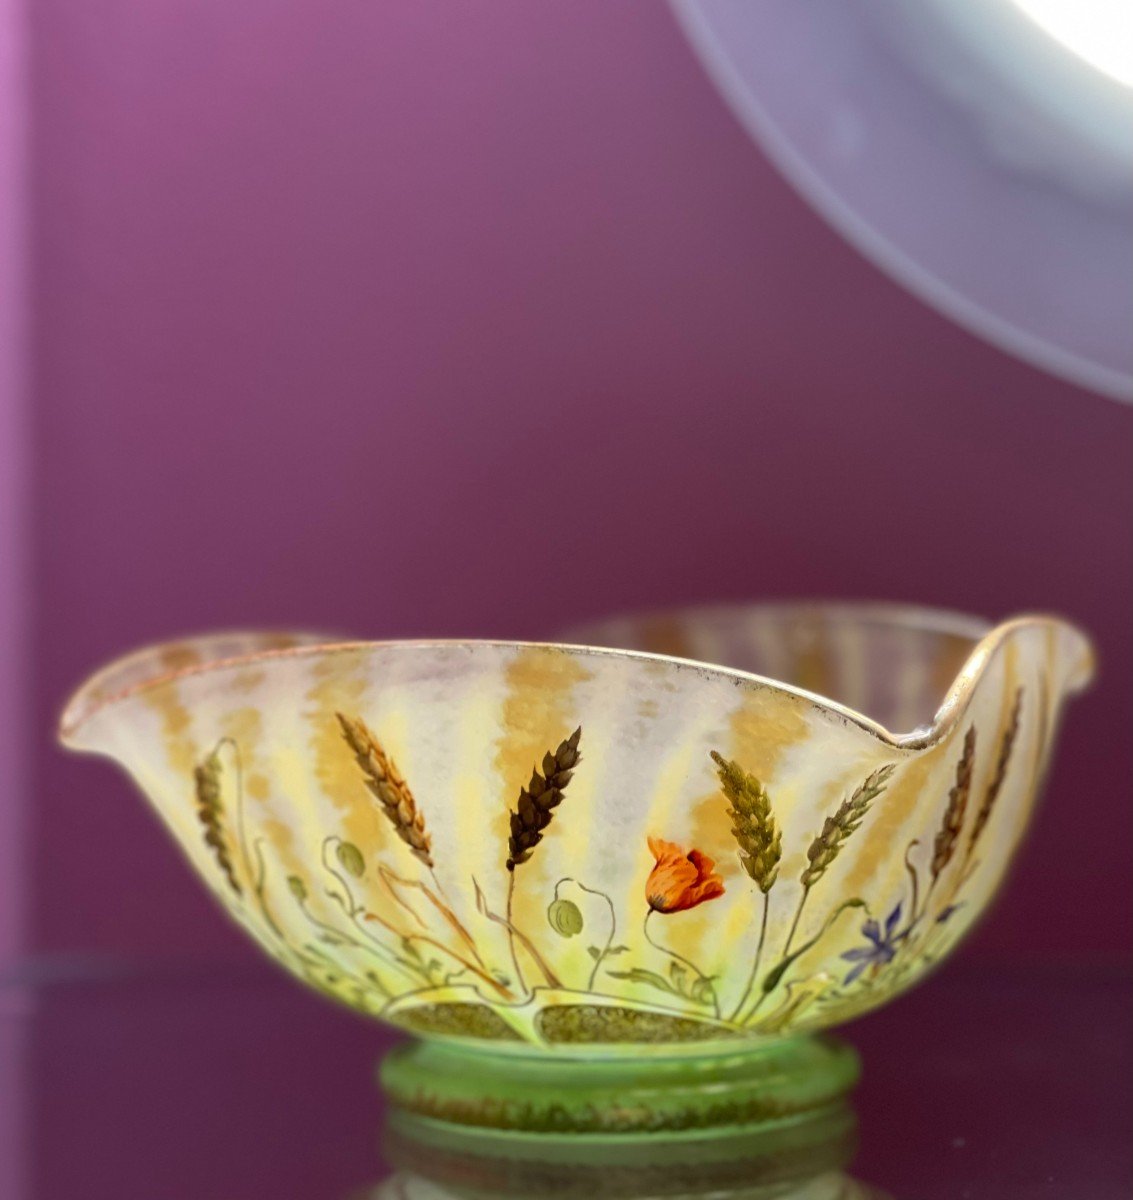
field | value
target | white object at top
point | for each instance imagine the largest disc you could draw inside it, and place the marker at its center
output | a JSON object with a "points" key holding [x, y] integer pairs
{"points": [[979, 152], [1099, 31]]}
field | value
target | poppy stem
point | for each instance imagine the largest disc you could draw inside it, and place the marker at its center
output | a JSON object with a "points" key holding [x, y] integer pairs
{"points": [[755, 965], [600, 958], [681, 959]]}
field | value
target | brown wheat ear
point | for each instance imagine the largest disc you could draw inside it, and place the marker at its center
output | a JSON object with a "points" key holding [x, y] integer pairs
{"points": [[210, 813], [753, 824], [390, 790], [539, 799], [1006, 745], [836, 829], [944, 844]]}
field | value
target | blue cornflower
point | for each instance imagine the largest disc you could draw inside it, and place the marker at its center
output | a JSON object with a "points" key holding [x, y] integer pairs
{"points": [[882, 945]]}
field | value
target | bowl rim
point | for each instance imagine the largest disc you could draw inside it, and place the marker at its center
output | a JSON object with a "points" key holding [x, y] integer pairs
{"points": [[986, 638]]}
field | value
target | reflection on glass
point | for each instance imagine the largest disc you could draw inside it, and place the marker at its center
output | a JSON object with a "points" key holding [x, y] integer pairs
{"points": [[407, 1185], [799, 1160]]}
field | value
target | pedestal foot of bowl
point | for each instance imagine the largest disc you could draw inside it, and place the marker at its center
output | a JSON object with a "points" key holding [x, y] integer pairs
{"points": [[456, 1097]]}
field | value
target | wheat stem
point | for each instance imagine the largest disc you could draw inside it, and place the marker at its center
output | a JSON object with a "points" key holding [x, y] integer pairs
{"points": [[259, 875], [482, 906], [795, 922], [533, 812], [511, 932], [426, 940], [759, 841], [755, 964], [349, 940], [440, 905]]}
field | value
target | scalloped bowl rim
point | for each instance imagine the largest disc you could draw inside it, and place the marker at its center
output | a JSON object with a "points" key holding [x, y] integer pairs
{"points": [[986, 636]]}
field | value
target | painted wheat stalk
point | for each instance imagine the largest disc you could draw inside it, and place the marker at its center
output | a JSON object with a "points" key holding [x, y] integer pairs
{"points": [[946, 840], [753, 824], [836, 831], [533, 812], [538, 800], [759, 840], [828, 844], [388, 787], [991, 794], [210, 813]]}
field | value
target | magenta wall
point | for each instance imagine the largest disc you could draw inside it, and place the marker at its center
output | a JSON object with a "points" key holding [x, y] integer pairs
{"points": [[15, 674], [14, 487], [409, 317]]}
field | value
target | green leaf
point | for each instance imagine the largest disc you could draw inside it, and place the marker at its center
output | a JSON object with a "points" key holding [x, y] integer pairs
{"points": [[771, 980], [565, 918], [648, 978], [350, 858], [702, 991], [597, 954]]}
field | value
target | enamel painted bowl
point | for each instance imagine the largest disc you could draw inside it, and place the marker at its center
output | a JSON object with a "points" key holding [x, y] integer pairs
{"points": [[623, 883]]}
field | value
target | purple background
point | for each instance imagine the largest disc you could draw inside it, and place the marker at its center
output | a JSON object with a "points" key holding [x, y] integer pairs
{"points": [[430, 318]]}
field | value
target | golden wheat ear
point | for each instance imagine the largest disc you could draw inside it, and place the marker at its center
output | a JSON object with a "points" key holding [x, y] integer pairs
{"points": [[539, 799], [1006, 745], [210, 813], [837, 829], [386, 784], [944, 845], [753, 824]]}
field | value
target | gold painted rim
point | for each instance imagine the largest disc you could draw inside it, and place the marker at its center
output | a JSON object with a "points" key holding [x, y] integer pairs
{"points": [[987, 641]]}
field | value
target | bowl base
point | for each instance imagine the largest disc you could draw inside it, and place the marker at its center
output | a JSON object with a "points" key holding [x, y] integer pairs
{"points": [[468, 1098], [799, 1160]]}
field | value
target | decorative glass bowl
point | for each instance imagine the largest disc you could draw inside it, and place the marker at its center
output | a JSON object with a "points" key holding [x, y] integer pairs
{"points": [[609, 889]]}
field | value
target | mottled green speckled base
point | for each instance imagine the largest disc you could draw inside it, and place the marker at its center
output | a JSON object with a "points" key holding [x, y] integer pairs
{"points": [[470, 1098]]}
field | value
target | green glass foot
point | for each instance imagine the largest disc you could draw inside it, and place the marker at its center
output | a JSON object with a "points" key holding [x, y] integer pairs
{"points": [[460, 1098], [795, 1160]]}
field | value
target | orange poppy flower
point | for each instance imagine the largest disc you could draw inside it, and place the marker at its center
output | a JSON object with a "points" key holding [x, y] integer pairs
{"points": [[678, 880]]}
